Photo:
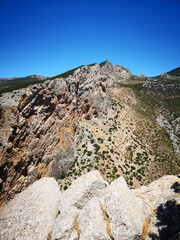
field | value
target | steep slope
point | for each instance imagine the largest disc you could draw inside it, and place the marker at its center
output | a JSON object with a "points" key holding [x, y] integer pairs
{"points": [[94, 117], [166, 90]]}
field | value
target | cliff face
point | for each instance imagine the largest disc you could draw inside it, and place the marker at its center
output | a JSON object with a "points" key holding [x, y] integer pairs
{"points": [[65, 127], [93, 209]]}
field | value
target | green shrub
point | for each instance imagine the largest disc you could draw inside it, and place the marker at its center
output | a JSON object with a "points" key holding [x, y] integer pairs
{"points": [[100, 140], [97, 147], [62, 176], [89, 153]]}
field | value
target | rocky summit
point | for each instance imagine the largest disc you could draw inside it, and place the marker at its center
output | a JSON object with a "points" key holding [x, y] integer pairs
{"points": [[92, 153], [93, 209]]}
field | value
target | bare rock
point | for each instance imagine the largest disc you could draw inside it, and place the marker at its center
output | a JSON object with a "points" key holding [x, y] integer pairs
{"points": [[82, 190], [125, 212], [92, 209], [64, 227], [152, 193], [30, 215], [92, 223], [165, 220], [72, 201], [121, 71]]}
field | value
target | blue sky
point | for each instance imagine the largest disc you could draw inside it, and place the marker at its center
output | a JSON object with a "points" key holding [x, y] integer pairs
{"points": [[49, 37]]}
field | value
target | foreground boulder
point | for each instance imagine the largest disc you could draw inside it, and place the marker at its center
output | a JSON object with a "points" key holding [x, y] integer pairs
{"points": [[73, 200], [83, 189], [165, 221], [163, 199], [30, 215], [91, 209]]}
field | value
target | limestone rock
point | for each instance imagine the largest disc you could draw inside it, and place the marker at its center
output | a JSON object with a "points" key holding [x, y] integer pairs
{"points": [[92, 223], [65, 225], [82, 190], [92, 209], [122, 71], [152, 193], [73, 200], [114, 212], [126, 213], [165, 220], [30, 215], [141, 76]]}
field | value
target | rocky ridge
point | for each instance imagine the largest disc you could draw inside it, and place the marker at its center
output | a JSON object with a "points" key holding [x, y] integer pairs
{"points": [[93, 209], [89, 119]]}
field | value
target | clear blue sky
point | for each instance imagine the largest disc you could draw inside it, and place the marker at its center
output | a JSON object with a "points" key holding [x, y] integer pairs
{"points": [[49, 37]]}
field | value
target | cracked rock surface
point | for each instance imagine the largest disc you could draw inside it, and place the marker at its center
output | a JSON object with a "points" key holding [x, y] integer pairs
{"points": [[92, 209]]}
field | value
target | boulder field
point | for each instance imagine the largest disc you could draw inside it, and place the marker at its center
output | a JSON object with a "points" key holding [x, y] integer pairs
{"points": [[92, 209]]}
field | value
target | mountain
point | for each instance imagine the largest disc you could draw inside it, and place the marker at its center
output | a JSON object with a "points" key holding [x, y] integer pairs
{"points": [[175, 72], [10, 84], [96, 117]]}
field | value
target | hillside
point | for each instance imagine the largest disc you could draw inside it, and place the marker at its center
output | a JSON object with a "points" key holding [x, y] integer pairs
{"points": [[96, 117], [10, 84]]}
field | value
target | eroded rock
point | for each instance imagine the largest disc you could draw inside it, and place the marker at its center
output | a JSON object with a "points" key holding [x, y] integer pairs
{"points": [[31, 214]]}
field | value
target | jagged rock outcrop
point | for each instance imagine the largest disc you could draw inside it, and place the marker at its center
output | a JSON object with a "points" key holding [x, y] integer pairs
{"points": [[94, 210], [31, 214], [121, 213]]}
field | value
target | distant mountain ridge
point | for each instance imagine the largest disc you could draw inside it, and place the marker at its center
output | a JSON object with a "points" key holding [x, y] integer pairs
{"points": [[175, 72], [10, 84], [19, 82]]}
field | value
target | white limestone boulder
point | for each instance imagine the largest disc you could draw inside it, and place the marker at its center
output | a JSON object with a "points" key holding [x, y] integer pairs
{"points": [[126, 213], [64, 227], [82, 190], [31, 214], [92, 222], [153, 192], [72, 201]]}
